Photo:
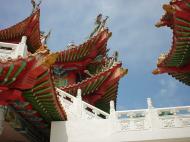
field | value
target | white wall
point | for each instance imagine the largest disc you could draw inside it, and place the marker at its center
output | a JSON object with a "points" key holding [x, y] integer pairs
{"points": [[120, 126], [81, 131], [106, 131]]}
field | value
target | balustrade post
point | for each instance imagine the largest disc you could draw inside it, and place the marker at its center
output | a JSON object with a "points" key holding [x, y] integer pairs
{"points": [[149, 103], [22, 49], [152, 116], [177, 121], [79, 104], [113, 114], [114, 124], [95, 113]]}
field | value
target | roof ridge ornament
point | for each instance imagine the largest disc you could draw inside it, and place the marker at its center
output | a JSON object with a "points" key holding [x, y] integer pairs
{"points": [[115, 56], [35, 5], [99, 24], [44, 37], [71, 45]]}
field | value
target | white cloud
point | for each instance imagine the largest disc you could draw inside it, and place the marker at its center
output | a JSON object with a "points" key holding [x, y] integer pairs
{"points": [[168, 93], [168, 88]]}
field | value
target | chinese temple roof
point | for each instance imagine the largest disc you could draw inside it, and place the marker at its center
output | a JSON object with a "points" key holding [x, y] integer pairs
{"points": [[26, 86], [29, 27], [90, 58], [100, 88], [27, 83], [80, 56], [177, 61]]}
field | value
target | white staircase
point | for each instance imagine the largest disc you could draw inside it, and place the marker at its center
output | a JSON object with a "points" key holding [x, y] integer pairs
{"points": [[87, 123]]}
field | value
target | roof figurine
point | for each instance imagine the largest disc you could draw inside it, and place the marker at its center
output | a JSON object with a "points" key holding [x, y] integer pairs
{"points": [[99, 24], [35, 6], [44, 37]]}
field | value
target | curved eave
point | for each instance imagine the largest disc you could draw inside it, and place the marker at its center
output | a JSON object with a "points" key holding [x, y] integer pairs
{"points": [[34, 83], [110, 95], [12, 70], [87, 51], [29, 27], [179, 55], [170, 9], [100, 83], [95, 82], [178, 58], [181, 4], [110, 88], [43, 96]]}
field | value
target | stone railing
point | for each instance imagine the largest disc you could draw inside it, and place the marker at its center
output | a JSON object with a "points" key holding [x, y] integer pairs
{"points": [[10, 50], [174, 117], [130, 120], [133, 120], [154, 118], [76, 108]]}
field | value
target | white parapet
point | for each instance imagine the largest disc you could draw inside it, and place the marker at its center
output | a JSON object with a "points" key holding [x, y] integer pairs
{"points": [[77, 109], [10, 50], [152, 124]]}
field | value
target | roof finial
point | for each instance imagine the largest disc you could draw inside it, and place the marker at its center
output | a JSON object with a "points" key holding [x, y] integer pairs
{"points": [[104, 22], [149, 103], [99, 24], [35, 5], [44, 37], [99, 19], [71, 45], [39, 3], [115, 55], [33, 2]]}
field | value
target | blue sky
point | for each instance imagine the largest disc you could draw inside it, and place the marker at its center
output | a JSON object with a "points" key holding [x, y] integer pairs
{"points": [[135, 37]]}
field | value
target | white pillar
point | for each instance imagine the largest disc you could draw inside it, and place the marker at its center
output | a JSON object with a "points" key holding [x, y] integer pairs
{"points": [[112, 110], [152, 115], [149, 103], [79, 103], [114, 123], [79, 94], [21, 50], [23, 40], [77, 107]]}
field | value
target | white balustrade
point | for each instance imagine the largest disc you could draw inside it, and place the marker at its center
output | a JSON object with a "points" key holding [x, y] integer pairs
{"points": [[133, 120], [130, 120], [10, 50], [154, 118], [174, 117], [78, 109]]}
